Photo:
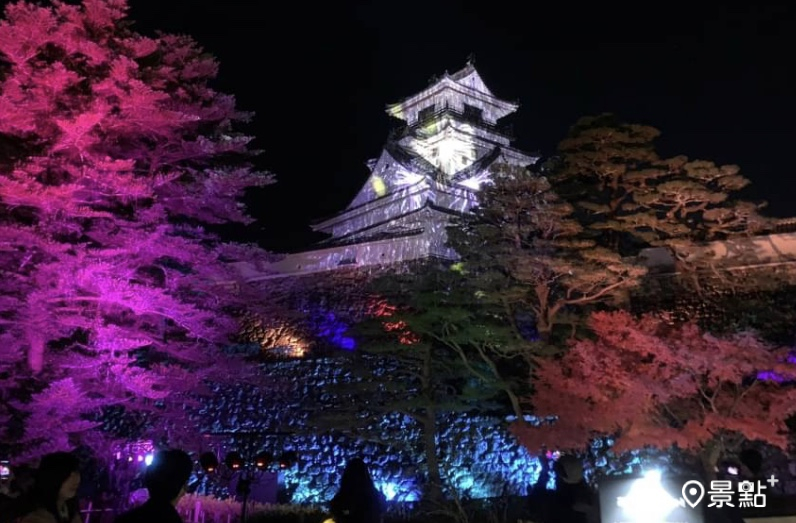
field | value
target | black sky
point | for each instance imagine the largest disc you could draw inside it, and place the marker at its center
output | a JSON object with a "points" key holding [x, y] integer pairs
{"points": [[718, 81]]}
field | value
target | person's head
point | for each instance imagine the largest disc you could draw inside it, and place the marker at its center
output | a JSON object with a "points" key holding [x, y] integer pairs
{"points": [[56, 480], [168, 474], [24, 476], [356, 477], [752, 459], [569, 469]]}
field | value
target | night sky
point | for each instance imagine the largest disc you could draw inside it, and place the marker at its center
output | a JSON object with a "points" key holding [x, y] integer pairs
{"points": [[717, 81]]}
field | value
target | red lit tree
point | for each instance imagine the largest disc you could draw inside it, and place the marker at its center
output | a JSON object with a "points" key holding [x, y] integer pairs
{"points": [[650, 384], [117, 156]]}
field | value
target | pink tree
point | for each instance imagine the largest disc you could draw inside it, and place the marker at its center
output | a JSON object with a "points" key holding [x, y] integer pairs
{"points": [[117, 155], [650, 384]]}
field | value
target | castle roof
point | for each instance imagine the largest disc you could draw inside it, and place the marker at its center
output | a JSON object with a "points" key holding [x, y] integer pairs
{"points": [[465, 82]]}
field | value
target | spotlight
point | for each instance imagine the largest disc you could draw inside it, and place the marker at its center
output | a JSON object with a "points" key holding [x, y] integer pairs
{"points": [[654, 475], [288, 459], [148, 459], [652, 497], [262, 460], [233, 461], [209, 462]]}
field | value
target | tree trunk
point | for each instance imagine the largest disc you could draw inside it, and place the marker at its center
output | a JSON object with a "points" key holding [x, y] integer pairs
{"points": [[35, 350], [544, 319], [429, 428], [434, 490], [544, 328], [709, 458]]}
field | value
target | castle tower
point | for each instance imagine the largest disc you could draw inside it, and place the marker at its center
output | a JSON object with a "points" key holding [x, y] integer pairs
{"points": [[430, 169], [453, 124]]}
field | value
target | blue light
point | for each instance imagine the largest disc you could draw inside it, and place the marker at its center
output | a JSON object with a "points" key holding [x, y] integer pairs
{"points": [[329, 327], [390, 490]]}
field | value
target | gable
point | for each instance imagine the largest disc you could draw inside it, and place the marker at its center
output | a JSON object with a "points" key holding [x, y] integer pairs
{"points": [[387, 176], [472, 80]]}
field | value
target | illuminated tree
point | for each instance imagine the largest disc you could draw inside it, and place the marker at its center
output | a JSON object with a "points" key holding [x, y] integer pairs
{"points": [[118, 160], [430, 349], [647, 383], [527, 251], [628, 197]]}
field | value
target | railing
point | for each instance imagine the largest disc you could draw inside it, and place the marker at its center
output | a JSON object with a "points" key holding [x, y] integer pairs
{"points": [[195, 513], [99, 515], [464, 116]]}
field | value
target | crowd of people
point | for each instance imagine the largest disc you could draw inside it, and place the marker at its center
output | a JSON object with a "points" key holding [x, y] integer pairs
{"points": [[50, 494], [52, 497]]}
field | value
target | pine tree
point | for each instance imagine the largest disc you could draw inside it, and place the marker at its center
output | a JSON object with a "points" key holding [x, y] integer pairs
{"points": [[629, 198], [526, 249], [118, 159]]}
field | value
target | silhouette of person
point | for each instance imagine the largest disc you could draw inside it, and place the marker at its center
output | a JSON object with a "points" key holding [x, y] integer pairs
{"points": [[751, 469], [15, 494], [166, 479], [752, 462], [8, 497], [53, 498], [572, 501], [358, 500]]}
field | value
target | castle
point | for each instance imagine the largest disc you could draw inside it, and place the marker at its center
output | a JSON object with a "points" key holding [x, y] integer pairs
{"points": [[431, 168]]}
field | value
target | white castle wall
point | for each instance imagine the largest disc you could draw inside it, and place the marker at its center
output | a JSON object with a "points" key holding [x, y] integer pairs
{"points": [[737, 253], [394, 250]]}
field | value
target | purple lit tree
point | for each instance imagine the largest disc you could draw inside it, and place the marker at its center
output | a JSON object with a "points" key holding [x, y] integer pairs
{"points": [[117, 160]]}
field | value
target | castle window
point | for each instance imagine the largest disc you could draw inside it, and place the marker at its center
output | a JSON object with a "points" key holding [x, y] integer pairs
{"points": [[473, 113], [425, 113]]}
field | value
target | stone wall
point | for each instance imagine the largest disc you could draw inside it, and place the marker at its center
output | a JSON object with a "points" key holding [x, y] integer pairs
{"points": [[316, 312], [479, 457]]}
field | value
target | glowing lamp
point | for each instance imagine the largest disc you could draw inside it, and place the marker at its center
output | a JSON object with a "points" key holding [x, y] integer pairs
{"points": [[140, 458], [729, 467], [262, 460], [209, 462], [553, 455], [233, 461], [148, 459], [288, 459]]}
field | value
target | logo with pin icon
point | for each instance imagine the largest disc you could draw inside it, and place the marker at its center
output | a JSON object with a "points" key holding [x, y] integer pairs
{"points": [[693, 492]]}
